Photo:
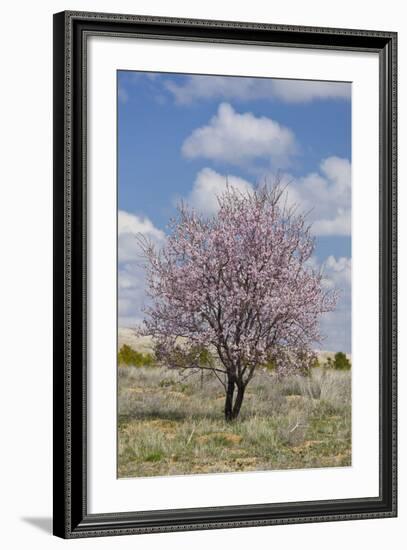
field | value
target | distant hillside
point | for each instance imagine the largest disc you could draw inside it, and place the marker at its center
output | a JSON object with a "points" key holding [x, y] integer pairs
{"points": [[128, 336]]}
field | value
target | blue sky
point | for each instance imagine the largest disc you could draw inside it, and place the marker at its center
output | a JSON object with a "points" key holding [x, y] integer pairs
{"points": [[180, 136]]}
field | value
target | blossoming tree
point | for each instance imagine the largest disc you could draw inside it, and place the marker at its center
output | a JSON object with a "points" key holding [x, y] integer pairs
{"points": [[235, 291]]}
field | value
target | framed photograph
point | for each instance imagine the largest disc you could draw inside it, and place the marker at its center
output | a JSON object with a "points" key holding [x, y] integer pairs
{"points": [[224, 274]]}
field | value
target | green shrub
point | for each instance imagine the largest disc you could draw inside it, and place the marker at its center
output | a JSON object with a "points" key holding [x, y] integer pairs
{"points": [[341, 362], [270, 365], [316, 364], [204, 356], [129, 356], [154, 457]]}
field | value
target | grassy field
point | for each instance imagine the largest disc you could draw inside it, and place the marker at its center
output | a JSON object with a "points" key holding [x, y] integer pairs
{"points": [[169, 425]]}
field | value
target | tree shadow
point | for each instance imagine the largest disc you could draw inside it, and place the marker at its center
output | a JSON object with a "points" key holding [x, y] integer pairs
{"points": [[42, 523]]}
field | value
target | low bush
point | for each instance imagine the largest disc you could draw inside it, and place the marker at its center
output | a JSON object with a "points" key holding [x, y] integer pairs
{"points": [[338, 362], [129, 356], [341, 362]]}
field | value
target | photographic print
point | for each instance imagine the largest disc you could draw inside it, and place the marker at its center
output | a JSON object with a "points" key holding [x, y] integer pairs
{"points": [[225, 274], [234, 274]]}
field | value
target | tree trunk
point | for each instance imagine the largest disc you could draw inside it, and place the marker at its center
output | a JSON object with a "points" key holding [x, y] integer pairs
{"points": [[238, 401], [230, 390], [232, 409]]}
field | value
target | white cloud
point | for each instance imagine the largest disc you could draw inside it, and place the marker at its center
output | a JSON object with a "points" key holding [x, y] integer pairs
{"points": [[339, 171], [237, 138], [131, 273], [338, 271], [214, 87], [130, 227], [209, 185], [326, 195], [135, 225], [201, 87], [336, 325], [340, 225], [302, 91]]}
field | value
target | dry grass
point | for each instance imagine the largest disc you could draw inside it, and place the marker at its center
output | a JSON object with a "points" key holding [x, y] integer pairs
{"points": [[170, 425]]}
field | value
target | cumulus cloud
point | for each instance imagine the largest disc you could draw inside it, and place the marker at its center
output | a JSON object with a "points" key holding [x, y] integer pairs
{"points": [[201, 87], [304, 91], [129, 227], [208, 185], [131, 274], [338, 270], [132, 225], [336, 325], [237, 138], [326, 195]]}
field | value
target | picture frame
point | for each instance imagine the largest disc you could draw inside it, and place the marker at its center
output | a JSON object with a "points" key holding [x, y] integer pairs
{"points": [[72, 517]]}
